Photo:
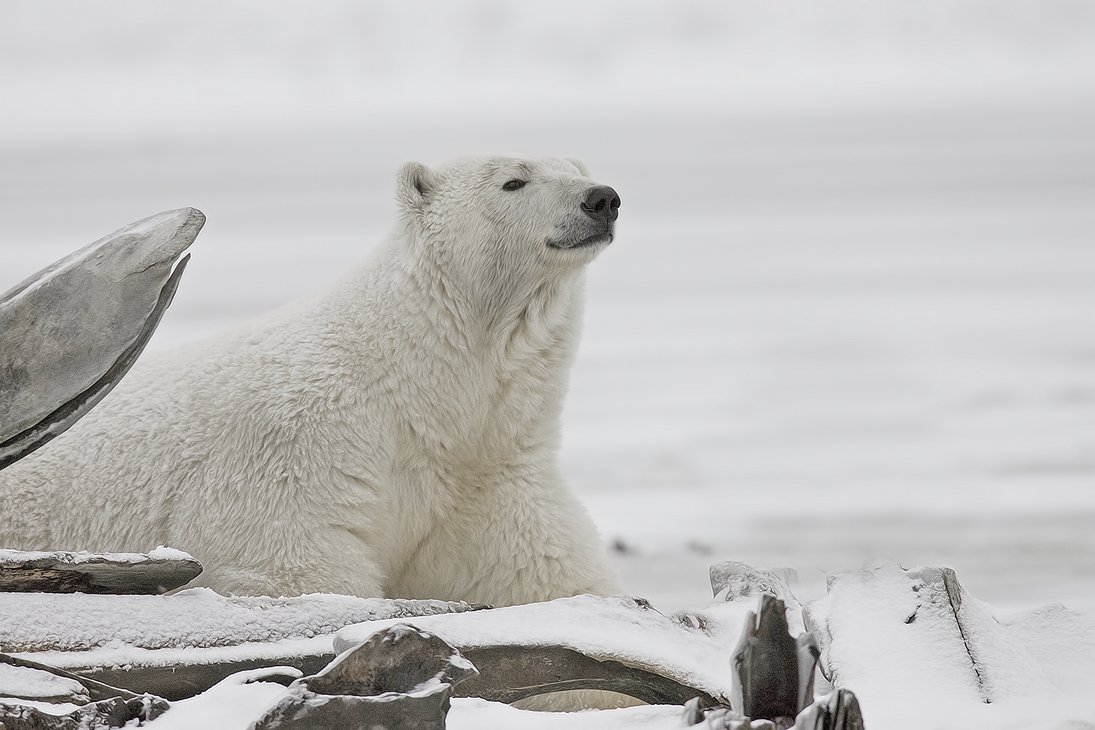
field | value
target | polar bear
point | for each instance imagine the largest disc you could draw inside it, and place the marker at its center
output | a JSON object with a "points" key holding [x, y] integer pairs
{"points": [[395, 436]]}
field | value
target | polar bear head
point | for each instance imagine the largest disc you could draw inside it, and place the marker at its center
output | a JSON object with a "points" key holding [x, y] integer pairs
{"points": [[496, 219]]}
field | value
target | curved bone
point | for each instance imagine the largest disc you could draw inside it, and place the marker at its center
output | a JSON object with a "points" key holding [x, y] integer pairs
{"points": [[96, 690], [511, 673], [507, 674], [69, 333]]}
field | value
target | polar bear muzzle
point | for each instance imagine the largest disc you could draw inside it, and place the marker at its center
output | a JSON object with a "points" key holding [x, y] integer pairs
{"points": [[602, 205]]}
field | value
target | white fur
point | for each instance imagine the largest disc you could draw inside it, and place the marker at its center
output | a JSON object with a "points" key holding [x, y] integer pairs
{"points": [[396, 436]]}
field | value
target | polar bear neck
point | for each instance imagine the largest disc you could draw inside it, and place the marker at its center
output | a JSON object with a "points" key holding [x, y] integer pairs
{"points": [[501, 348], [496, 308]]}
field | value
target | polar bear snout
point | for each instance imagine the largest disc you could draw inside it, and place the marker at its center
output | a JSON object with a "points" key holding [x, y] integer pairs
{"points": [[601, 206], [602, 203]]}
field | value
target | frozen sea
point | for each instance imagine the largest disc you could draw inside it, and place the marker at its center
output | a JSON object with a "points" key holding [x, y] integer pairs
{"points": [[822, 336]]}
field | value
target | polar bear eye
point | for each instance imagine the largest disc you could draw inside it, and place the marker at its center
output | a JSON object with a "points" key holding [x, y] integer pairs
{"points": [[514, 184]]}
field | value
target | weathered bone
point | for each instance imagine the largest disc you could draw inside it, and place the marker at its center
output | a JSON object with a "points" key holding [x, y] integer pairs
{"points": [[96, 690], [69, 333], [400, 679], [507, 674], [839, 711], [511, 673], [773, 672], [619, 644], [109, 706], [614, 644]]}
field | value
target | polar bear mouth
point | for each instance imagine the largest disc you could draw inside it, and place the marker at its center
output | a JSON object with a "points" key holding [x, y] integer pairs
{"points": [[597, 239]]}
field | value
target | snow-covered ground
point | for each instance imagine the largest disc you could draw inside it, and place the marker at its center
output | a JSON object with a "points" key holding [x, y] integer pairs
{"points": [[850, 312]]}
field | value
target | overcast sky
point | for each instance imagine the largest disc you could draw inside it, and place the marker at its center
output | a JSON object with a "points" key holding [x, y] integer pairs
{"points": [[73, 69]]}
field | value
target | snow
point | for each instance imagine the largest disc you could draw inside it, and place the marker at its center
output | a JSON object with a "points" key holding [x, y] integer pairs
{"points": [[234, 703], [50, 708], [193, 619], [37, 684], [848, 315], [1061, 641], [980, 670], [1036, 664], [889, 634], [162, 552], [120, 656], [83, 556]]}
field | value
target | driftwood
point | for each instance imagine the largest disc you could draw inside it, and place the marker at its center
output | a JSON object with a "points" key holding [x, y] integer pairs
{"points": [[110, 573], [69, 333]]}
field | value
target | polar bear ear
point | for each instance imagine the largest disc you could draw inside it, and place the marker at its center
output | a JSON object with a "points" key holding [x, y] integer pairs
{"points": [[414, 185], [579, 164]]}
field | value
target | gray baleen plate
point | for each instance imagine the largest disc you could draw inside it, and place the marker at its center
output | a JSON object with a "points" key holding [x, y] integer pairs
{"points": [[70, 332]]}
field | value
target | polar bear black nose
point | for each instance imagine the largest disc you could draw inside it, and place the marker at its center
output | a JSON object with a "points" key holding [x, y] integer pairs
{"points": [[602, 203]]}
